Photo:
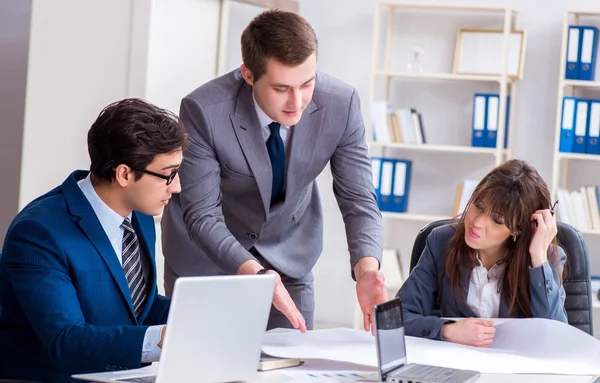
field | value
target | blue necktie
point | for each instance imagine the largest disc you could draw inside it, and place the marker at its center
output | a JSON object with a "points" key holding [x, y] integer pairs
{"points": [[277, 156]]}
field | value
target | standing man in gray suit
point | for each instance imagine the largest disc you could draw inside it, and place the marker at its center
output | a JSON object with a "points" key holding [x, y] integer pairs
{"points": [[249, 203]]}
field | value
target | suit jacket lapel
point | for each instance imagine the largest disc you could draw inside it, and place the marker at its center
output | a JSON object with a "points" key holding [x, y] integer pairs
{"points": [[463, 307], [301, 149], [79, 206], [503, 309], [248, 131]]}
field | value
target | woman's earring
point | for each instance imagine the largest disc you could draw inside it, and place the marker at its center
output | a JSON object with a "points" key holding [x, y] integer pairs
{"points": [[514, 238]]}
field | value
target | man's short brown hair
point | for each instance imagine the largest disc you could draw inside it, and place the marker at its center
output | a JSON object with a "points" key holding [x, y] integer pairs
{"points": [[284, 36]]}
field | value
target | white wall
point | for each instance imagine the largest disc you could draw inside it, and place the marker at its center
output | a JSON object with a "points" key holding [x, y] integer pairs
{"points": [[237, 17], [182, 49], [78, 63], [15, 22], [345, 50], [85, 55]]}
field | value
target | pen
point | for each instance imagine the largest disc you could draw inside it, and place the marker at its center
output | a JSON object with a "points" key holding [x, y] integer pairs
{"points": [[553, 207]]}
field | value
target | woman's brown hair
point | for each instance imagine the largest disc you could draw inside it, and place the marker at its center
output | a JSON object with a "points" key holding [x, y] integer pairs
{"points": [[513, 190]]}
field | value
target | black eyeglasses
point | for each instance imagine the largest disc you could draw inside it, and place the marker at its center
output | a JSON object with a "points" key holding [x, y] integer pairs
{"points": [[168, 178]]}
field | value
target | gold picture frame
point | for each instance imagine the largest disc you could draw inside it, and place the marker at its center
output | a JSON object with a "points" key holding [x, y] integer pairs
{"points": [[479, 52]]}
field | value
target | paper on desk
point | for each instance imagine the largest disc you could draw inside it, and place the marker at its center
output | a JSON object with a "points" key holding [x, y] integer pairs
{"points": [[553, 342], [336, 371], [340, 345], [535, 346]]}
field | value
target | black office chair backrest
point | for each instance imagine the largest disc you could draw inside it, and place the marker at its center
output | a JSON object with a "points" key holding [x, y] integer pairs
{"points": [[577, 281]]}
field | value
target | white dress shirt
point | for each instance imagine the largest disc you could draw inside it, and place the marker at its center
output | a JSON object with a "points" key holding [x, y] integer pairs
{"points": [[483, 296], [111, 223], [265, 120]]}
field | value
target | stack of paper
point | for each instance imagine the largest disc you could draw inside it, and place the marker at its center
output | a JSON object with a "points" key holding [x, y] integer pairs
{"points": [[535, 346]]}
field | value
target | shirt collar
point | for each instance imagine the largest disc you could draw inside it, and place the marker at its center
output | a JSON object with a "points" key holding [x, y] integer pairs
{"points": [[500, 263], [109, 219], [263, 119]]}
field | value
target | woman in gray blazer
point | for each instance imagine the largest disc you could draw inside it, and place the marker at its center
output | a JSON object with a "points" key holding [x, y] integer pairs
{"points": [[499, 260]]}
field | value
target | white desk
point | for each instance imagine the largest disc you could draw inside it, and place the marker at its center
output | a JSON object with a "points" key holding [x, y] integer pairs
{"points": [[279, 376]]}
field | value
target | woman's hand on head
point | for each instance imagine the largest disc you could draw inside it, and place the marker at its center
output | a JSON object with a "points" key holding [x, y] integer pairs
{"points": [[544, 231]]}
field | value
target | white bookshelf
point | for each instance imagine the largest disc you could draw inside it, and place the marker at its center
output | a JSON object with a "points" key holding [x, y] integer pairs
{"points": [[590, 231], [437, 148], [383, 71], [425, 218], [443, 7], [397, 26], [439, 76], [564, 164], [579, 83], [578, 156]]}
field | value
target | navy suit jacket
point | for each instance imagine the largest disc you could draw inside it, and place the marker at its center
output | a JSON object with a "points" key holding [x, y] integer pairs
{"points": [[65, 306], [428, 280]]}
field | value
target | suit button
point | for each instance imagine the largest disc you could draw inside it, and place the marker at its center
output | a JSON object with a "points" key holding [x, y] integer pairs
{"points": [[252, 235], [424, 333]]}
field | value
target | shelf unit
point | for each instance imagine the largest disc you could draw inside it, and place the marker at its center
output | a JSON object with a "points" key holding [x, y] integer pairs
{"points": [[436, 148], [385, 79], [439, 76], [382, 71], [562, 161], [414, 217], [580, 83]]}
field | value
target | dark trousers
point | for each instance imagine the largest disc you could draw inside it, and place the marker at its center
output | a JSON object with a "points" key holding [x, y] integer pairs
{"points": [[301, 291]]}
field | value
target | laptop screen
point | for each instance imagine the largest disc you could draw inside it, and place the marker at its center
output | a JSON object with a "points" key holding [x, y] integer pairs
{"points": [[390, 336]]}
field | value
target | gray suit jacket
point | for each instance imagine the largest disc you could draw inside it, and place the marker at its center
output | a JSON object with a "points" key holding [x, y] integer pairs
{"points": [[428, 280], [224, 206]]}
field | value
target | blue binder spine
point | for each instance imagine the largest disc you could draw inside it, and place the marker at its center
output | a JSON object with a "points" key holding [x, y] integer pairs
{"points": [[573, 48], [581, 126], [588, 52], [402, 175], [593, 139], [385, 187], [376, 172], [478, 126], [493, 109], [491, 120], [506, 122], [567, 123]]}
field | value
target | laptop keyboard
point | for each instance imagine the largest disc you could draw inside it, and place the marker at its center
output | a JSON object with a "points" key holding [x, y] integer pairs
{"points": [[144, 379], [428, 373]]}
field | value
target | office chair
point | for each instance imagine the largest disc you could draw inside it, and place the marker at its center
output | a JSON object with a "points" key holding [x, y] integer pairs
{"points": [[577, 281]]}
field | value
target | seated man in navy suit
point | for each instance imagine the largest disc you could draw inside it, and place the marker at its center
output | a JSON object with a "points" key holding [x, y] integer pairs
{"points": [[77, 272]]}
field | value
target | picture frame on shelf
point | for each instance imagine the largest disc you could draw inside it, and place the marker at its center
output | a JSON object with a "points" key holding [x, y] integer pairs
{"points": [[479, 52]]}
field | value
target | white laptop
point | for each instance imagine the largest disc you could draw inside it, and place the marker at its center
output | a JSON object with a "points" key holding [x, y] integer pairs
{"points": [[391, 352], [214, 332]]}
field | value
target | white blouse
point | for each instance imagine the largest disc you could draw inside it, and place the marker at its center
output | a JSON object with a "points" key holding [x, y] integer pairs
{"points": [[483, 296]]}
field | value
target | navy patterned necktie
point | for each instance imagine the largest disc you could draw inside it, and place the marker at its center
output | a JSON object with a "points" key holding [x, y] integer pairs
{"points": [[277, 156], [132, 266]]}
